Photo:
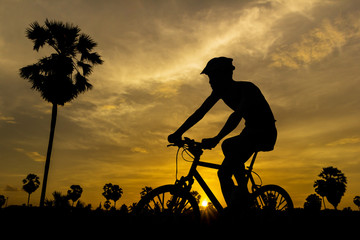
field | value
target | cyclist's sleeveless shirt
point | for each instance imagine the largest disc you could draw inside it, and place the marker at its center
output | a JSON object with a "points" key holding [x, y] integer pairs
{"points": [[256, 110]]}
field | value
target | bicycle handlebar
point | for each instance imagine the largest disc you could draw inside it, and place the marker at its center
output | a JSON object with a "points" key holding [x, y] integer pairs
{"points": [[190, 143]]}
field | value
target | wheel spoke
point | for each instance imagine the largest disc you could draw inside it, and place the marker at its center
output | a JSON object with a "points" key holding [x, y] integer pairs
{"points": [[183, 208], [277, 194], [272, 197], [285, 206], [169, 201], [282, 200], [161, 200], [261, 200], [148, 207], [154, 204]]}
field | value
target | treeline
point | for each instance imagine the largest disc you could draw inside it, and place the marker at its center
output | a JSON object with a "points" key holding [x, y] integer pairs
{"points": [[111, 192], [330, 185]]}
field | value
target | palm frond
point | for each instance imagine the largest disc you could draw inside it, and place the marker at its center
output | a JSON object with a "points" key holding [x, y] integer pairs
{"points": [[85, 43], [63, 36], [94, 58], [56, 65], [60, 77], [28, 71], [82, 83], [39, 35], [87, 68]]}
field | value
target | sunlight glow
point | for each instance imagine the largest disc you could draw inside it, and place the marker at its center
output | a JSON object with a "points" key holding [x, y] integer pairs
{"points": [[204, 203]]}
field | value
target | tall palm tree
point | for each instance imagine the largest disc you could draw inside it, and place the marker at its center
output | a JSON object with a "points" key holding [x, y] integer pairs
{"points": [[332, 185], [63, 75], [74, 193], [31, 183]]}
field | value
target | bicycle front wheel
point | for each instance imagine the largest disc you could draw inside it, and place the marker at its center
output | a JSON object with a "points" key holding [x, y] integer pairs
{"points": [[169, 203], [272, 198]]}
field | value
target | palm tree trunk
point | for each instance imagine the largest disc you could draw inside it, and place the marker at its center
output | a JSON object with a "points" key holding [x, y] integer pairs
{"points": [[48, 155], [28, 200]]}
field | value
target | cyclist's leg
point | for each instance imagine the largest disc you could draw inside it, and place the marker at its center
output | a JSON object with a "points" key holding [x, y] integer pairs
{"points": [[240, 195], [225, 178], [241, 178], [237, 152]]}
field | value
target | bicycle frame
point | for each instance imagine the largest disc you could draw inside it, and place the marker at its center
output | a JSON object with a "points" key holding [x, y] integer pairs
{"points": [[193, 173]]}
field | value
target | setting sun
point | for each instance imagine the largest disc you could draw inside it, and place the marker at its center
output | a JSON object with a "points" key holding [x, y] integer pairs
{"points": [[204, 203]]}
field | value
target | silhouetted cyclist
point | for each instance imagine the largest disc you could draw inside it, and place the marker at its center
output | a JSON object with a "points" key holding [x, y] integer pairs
{"points": [[247, 101]]}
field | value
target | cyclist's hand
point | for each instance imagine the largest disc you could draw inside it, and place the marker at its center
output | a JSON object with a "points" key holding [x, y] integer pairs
{"points": [[174, 138], [209, 143]]}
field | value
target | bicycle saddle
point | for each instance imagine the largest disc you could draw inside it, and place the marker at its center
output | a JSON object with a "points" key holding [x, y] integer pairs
{"points": [[264, 147]]}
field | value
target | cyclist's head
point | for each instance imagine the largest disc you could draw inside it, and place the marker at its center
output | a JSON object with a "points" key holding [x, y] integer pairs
{"points": [[220, 72], [218, 66]]}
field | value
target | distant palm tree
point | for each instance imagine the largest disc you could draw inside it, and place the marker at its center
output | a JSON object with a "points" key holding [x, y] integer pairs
{"points": [[2, 200], [31, 183], [112, 192], [312, 203], [357, 201], [63, 75], [117, 193], [321, 189], [196, 195], [332, 185], [107, 191], [74, 193], [107, 204]]}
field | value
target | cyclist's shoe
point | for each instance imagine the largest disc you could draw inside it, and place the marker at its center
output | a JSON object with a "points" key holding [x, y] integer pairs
{"points": [[240, 200]]}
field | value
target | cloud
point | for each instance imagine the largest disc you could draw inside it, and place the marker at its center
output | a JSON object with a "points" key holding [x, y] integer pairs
{"points": [[152, 70], [318, 43], [344, 141], [10, 120], [139, 150], [9, 188], [35, 156], [174, 46]]}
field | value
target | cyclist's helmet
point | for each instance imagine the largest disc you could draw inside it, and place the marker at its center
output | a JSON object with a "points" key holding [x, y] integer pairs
{"points": [[218, 64]]}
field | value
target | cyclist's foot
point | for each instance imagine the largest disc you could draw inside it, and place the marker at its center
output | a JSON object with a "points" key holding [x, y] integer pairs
{"points": [[240, 196], [240, 201]]}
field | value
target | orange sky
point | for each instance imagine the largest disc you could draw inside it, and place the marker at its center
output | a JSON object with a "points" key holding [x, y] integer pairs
{"points": [[303, 55]]}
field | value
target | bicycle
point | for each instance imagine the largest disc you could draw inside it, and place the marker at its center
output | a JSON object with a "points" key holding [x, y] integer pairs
{"points": [[175, 200]]}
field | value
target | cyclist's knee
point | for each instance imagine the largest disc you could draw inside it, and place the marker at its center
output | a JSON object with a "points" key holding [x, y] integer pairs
{"points": [[227, 146]]}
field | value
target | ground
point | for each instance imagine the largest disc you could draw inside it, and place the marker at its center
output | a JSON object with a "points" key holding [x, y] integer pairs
{"points": [[80, 223]]}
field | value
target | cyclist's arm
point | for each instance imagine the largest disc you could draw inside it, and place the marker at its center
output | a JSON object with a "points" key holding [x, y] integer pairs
{"points": [[198, 114], [232, 122]]}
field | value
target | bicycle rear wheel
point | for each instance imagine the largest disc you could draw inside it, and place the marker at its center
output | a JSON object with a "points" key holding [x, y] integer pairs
{"points": [[169, 203], [272, 198]]}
